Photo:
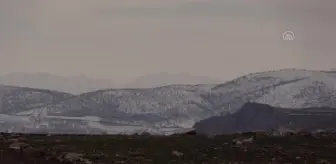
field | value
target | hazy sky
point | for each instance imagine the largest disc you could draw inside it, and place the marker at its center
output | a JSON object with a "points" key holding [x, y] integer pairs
{"points": [[123, 39]]}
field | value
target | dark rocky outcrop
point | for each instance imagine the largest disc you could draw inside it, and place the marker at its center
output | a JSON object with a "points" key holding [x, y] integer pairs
{"points": [[260, 117], [187, 132]]}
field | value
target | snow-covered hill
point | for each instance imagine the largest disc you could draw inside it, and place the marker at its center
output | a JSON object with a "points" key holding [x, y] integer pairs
{"points": [[183, 105], [168, 107], [176, 105], [288, 88], [18, 99]]}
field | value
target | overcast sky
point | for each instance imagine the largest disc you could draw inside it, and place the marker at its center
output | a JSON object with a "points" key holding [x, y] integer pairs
{"points": [[124, 39]]}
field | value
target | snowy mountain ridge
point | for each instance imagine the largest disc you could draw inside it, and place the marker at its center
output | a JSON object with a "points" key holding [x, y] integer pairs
{"points": [[16, 99], [181, 106]]}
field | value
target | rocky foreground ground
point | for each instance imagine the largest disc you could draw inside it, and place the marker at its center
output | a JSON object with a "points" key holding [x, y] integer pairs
{"points": [[252, 148]]}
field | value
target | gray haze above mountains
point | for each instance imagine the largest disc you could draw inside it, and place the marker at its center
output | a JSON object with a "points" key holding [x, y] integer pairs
{"points": [[123, 39], [82, 84]]}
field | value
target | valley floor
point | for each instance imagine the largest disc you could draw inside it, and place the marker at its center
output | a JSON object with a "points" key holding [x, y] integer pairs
{"points": [[251, 148]]}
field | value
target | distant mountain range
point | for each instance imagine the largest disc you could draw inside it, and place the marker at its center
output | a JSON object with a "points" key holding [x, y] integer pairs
{"points": [[83, 84], [73, 85], [177, 106], [164, 79], [261, 117]]}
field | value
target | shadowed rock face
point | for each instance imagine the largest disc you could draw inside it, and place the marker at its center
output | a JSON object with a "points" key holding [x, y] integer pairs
{"points": [[260, 117]]}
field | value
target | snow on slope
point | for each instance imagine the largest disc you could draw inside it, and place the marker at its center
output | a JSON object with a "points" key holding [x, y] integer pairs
{"points": [[17, 99], [317, 90], [173, 105], [289, 88], [183, 105]]}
